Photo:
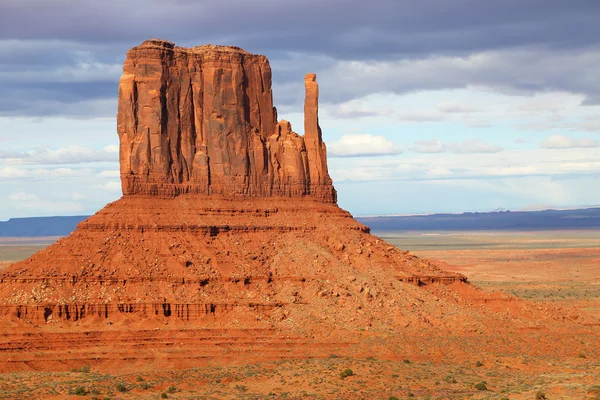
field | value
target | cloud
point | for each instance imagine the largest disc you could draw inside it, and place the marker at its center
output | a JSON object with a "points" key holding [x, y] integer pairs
{"points": [[362, 145], [568, 163], [71, 52], [33, 203], [109, 174], [519, 140], [43, 174], [510, 71], [111, 186], [477, 146], [67, 155], [566, 142], [455, 108], [429, 146], [23, 197], [468, 146]]}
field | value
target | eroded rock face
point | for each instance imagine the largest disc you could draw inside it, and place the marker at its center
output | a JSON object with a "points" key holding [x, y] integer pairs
{"points": [[201, 120]]}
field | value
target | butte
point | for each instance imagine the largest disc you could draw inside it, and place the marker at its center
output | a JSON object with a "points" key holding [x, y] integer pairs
{"points": [[228, 244]]}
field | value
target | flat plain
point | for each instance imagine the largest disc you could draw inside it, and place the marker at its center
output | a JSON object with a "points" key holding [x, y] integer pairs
{"points": [[560, 268]]}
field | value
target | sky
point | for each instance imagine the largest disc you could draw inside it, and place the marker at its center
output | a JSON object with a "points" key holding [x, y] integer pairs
{"points": [[425, 105]]}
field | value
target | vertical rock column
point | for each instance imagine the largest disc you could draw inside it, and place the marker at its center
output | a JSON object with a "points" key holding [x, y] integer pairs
{"points": [[313, 139]]}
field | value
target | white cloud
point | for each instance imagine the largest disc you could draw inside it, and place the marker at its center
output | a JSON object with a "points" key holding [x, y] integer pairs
{"points": [[33, 203], [566, 142], [111, 186], [473, 166], [66, 155], [477, 146], [109, 174], [77, 196], [23, 197], [362, 145], [12, 173], [429, 146], [468, 146]]}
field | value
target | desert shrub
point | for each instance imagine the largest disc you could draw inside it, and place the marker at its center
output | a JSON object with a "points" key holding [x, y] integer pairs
{"points": [[594, 390], [80, 391], [140, 379], [406, 361], [85, 368], [145, 385], [121, 387], [171, 389], [481, 386], [346, 373], [479, 364], [581, 355], [163, 396], [540, 396], [393, 398], [450, 379]]}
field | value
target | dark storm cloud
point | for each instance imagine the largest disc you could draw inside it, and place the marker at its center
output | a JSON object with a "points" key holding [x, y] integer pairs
{"points": [[46, 47], [340, 27]]}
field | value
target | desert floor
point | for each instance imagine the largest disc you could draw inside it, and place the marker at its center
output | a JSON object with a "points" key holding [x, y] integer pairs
{"points": [[562, 268]]}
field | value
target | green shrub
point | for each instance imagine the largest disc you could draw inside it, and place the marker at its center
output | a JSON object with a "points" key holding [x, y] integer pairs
{"points": [[540, 396], [481, 386], [121, 387], [80, 391], [594, 389], [450, 379], [85, 368], [171, 389], [479, 364], [163, 396], [406, 361], [145, 385], [393, 398], [346, 373]]}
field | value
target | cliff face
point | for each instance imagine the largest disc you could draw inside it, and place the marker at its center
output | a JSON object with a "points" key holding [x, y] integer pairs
{"points": [[201, 120]]}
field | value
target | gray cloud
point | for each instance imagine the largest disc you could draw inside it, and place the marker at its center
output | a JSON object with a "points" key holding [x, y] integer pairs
{"points": [[68, 52]]}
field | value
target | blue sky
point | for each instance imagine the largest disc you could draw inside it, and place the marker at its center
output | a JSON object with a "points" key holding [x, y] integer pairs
{"points": [[426, 106]]}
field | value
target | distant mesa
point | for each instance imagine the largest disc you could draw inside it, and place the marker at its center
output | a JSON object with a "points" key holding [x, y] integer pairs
{"points": [[201, 121]]}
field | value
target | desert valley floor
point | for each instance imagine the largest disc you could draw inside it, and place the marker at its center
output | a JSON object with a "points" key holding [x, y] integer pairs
{"points": [[556, 269]]}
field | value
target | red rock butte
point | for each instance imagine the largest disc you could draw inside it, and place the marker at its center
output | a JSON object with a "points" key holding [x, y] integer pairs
{"points": [[228, 244], [201, 120]]}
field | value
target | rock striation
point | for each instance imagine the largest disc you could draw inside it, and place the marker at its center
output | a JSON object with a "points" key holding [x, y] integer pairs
{"points": [[201, 121]]}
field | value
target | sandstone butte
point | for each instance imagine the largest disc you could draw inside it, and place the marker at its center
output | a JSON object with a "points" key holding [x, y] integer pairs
{"points": [[228, 244]]}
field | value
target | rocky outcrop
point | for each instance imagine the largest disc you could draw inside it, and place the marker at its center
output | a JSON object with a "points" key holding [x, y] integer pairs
{"points": [[201, 120]]}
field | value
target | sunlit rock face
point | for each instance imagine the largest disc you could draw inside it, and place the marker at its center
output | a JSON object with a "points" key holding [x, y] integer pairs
{"points": [[201, 121]]}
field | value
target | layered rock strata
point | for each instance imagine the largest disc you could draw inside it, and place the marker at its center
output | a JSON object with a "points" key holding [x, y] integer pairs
{"points": [[201, 120]]}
